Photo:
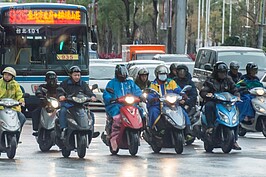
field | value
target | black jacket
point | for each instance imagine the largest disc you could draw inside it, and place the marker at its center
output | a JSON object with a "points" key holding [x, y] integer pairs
{"points": [[212, 85], [192, 94], [235, 77], [74, 88], [51, 91]]}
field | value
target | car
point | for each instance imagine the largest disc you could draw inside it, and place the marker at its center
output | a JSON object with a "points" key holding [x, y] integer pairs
{"points": [[176, 58], [208, 56], [144, 62], [100, 74], [173, 58]]}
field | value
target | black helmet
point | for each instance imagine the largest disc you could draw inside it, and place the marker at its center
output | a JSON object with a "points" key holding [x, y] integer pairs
{"points": [[74, 69], [220, 67], [51, 78], [251, 66], [121, 72], [234, 65], [173, 66], [179, 67]]}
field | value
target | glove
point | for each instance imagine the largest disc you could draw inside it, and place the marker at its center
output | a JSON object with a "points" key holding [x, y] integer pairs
{"points": [[142, 98], [113, 100]]}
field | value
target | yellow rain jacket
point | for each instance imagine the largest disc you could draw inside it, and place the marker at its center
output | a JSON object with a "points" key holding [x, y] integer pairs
{"points": [[11, 90]]}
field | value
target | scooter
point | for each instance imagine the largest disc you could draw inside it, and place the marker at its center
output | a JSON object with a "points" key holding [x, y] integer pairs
{"points": [[169, 129], [80, 127], [259, 105], [227, 120], [10, 127], [126, 135], [46, 133]]}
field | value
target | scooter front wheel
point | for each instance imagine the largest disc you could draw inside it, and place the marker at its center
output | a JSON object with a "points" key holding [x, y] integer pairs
{"points": [[82, 144], [134, 143], [263, 123], [11, 151], [228, 139], [178, 142]]}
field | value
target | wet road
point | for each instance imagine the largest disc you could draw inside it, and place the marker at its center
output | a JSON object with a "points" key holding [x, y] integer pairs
{"points": [[31, 162]]}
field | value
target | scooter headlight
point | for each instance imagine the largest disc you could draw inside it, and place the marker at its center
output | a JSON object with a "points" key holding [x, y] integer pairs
{"points": [[79, 100], [224, 117], [260, 92], [130, 99], [235, 118], [171, 99], [55, 103]]}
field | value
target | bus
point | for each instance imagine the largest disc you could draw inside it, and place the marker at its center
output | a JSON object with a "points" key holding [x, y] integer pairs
{"points": [[38, 37]]}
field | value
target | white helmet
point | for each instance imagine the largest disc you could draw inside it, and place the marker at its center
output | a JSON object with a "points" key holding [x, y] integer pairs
{"points": [[10, 70], [161, 69]]}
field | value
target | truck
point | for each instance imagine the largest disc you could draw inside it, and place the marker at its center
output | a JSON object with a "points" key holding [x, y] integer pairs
{"points": [[141, 52]]}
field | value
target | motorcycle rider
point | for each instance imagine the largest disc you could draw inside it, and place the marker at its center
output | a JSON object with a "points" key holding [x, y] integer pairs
{"points": [[233, 72], [248, 81], [173, 71], [142, 78], [218, 81], [72, 85], [122, 86], [9, 88], [51, 86], [162, 84], [184, 78]]}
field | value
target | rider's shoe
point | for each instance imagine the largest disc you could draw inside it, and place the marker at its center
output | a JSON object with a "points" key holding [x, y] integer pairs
{"points": [[236, 146], [35, 133], [95, 134]]}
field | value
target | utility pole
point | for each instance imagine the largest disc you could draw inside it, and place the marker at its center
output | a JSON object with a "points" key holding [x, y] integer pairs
{"points": [[181, 7], [169, 27], [261, 26]]}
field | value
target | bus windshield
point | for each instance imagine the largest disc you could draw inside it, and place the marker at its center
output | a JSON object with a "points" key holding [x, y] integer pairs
{"points": [[49, 49]]}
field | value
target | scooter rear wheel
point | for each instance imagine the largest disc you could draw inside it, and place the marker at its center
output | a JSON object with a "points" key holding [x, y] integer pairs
{"points": [[11, 151], [82, 144], [155, 148], [241, 131], [263, 123], [208, 148]]}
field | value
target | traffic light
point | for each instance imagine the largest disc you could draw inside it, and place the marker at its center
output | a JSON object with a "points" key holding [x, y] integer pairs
{"points": [[61, 45]]}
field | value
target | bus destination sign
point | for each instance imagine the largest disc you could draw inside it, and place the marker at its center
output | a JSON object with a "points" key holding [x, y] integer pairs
{"points": [[44, 16]]}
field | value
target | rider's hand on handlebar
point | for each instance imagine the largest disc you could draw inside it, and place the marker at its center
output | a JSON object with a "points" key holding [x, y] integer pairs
{"points": [[209, 95], [93, 98], [182, 101], [22, 103], [113, 100], [62, 98]]}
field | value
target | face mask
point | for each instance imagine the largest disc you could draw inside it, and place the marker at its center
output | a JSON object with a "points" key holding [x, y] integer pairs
{"points": [[162, 77]]}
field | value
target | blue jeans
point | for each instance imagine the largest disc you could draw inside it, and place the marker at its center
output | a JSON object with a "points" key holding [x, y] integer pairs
{"points": [[22, 118]]}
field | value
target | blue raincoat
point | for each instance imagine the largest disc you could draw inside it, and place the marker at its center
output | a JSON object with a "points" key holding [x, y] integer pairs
{"points": [[120, 89]]}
